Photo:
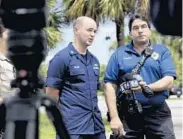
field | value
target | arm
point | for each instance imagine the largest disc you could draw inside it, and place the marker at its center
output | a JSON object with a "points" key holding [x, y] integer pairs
{"points": [[110, 80], [168, 73], [53, 93], [55, 77], [110, 98], [162, 84]]}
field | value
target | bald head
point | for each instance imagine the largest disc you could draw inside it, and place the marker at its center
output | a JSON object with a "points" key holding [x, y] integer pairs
{"points": [[84, 30], [81, 20]]}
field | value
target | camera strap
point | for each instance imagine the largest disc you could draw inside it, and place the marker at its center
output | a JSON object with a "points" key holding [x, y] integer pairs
{"points": [[147, 53]]}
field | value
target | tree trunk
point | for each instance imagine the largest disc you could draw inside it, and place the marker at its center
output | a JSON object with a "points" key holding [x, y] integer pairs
{"points": [[120, 32]]}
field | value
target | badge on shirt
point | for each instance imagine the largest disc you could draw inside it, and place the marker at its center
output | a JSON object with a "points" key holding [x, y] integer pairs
{"points": [[155, 55], [76, 67], [95, 66]]}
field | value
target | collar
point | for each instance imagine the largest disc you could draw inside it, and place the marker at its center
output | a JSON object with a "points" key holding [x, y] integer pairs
{"points": [[2, 57], [73, 51], [130, 49]]}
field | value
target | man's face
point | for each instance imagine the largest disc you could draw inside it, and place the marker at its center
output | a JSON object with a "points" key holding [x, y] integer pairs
{"points": [[86, 32], [140, 32]]}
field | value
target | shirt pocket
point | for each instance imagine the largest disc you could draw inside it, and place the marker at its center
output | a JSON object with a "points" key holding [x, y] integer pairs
{"points": [[7, 73], [77, 75], [96, 73]]}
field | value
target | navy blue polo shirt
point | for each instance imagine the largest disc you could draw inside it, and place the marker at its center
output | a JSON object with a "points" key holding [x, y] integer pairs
{"points": [[160, 64], [77, 78]]}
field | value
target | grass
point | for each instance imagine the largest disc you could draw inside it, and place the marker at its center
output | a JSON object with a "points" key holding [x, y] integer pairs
{"points": [[106, 124], [46, 129], [100, 93]]}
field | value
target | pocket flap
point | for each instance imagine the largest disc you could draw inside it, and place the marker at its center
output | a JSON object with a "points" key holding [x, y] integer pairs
{"points": [[77, 71], [96, 71]]}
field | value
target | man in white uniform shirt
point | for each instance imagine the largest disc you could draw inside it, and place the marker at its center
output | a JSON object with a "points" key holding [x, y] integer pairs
{"points": [[7, 71]]}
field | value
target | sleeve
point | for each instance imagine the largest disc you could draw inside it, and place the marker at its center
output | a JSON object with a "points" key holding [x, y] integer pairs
{"points": [[111, 73], [55, 73], [167, 65]]}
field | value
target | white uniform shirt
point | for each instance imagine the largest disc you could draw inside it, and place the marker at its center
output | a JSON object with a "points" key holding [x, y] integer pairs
{"points": [[7, 74]]}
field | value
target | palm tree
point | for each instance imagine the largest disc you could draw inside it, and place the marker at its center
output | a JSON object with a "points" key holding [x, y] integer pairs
{"points": [[53, 30], [54, 21], [100, 10], [75, 8]]}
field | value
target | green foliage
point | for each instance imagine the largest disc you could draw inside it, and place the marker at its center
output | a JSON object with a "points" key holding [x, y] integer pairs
{"points": [[102, 71], [174, 44], [51, 3], [100, 10], [43, 70], [76, 8], [46, 129], [53, 36], [106, 124], [114, 45], [54, 20], [112, 9]]}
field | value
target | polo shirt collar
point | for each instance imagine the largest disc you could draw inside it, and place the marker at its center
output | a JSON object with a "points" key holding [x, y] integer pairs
{"points": [[130, 49], [72, 50], [4, 58]]}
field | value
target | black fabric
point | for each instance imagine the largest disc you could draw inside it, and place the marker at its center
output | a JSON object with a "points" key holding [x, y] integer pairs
{"points": [[87, 136], [2, 120], [139, 65], [167, 16], [155, 123], [84, 57]]}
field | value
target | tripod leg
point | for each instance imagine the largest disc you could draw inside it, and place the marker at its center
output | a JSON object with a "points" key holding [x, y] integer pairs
{"points": [[22, 119], [55, 115], [2, 120]]}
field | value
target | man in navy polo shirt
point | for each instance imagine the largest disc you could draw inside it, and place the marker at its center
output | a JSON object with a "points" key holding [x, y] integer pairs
{"points": [[158, 73], [73, 79]]}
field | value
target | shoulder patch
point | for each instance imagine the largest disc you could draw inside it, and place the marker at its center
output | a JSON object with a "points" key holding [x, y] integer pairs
{"points": [[155, 55]]}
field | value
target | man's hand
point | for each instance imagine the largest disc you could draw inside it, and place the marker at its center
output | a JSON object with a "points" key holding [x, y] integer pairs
{"points": [[116, 126], [53, 93]]}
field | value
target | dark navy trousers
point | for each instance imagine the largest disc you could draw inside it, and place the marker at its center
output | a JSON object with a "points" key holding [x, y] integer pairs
{"points": [[154, 123]]}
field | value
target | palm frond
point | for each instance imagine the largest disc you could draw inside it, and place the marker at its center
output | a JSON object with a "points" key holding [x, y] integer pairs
{"points": [[53, 36], [51, 3], [112, 9]]}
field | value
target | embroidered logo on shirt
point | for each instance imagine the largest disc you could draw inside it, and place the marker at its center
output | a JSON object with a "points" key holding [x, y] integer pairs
{"points": [[95, 66], [155, 55], [127, 57]]}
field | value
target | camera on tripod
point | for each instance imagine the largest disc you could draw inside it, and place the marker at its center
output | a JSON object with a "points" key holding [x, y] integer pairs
{"points": [[27, 44]]}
